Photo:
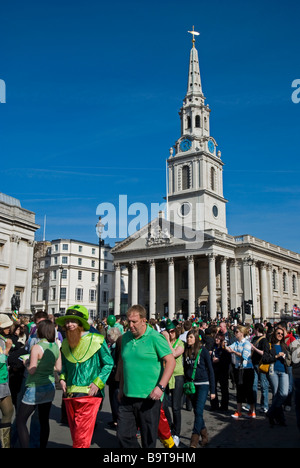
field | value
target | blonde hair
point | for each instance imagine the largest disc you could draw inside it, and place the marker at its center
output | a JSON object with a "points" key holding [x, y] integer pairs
{"points": [[244, 330]]}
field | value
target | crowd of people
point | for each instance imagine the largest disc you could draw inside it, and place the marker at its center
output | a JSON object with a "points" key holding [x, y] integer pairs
{"points": [[152, 368]]}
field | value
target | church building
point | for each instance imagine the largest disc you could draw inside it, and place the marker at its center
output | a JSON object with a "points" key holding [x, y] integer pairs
{"points": [[185, 262]]}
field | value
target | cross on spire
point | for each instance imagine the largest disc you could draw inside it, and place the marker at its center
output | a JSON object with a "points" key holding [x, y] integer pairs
{"points": [[194, 33]]}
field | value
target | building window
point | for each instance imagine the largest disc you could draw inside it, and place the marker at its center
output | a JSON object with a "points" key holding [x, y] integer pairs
{"points": [[105, 297], [55, 260], [93, 295], [2, 288], [105, 279], [64, 274], [80, 261], [274, 279], [93, 277], [186, 178], [93, 263], [188, 122], [53, 294], [197, 121], [80, 275], [93, 251], [284, 280], [63, 294], [53, 274], [64, 260], [65, 247], [78, 294], [80, 248], [294, 284], [275, 307]]}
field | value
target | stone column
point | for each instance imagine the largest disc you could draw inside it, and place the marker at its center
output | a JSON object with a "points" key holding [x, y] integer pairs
{"points": [[152, 289], [224, 292], [171, 288], [233, 285], [253, 287], [117, 302], [134, 283], [264, 291], [11, 281], [27, 296], [212, 285], [191, 285]]}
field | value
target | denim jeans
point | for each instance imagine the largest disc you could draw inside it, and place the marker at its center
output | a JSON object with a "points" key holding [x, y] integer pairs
{"points": [[280, 389], [264, 384], [198, 400]]}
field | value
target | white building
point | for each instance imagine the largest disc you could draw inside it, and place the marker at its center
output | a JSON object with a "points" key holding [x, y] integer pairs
{"points": [[188, 263], [17, 228], [66, 273]]}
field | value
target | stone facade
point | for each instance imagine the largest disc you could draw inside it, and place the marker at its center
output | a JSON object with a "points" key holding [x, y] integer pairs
{"points": [[17, 229]]}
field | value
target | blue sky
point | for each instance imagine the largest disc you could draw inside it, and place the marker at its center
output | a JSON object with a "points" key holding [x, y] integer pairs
{"points": [[93, 91]]}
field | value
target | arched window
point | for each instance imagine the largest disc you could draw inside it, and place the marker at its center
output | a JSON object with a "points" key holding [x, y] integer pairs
{"points": [[197, 121], [188, 121], [186, 177]]}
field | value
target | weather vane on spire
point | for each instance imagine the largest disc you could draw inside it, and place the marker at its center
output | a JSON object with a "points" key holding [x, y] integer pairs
{"points": [[194, 33]]}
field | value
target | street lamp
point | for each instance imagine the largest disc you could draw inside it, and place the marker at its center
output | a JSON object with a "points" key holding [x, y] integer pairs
{"points": [[60, 280], [99, 230]]}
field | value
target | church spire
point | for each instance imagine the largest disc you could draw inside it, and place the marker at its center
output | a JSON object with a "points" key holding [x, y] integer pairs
{"points": [[194, 79]]}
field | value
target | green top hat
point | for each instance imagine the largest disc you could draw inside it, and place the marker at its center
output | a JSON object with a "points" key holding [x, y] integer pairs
{"points": [[77, 312]]}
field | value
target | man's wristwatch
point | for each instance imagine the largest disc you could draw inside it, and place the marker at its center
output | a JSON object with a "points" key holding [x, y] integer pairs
{"points": [[161, 387]]}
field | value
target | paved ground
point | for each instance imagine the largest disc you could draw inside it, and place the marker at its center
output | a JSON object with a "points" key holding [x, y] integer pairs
{"points": [[224, 431]]}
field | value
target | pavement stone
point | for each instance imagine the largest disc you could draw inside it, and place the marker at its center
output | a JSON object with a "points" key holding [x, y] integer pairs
{"points": [[224, 431]]}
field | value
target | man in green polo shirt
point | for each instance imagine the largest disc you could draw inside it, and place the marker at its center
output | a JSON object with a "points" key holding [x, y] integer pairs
{"points": [[148, 364]]}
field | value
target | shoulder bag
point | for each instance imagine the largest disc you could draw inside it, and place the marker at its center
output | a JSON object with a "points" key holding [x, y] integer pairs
{"points": [[189, 387]]}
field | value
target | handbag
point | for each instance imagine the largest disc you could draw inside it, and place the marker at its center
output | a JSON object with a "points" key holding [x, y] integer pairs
{"points": [[189, 387], [263, 368]]}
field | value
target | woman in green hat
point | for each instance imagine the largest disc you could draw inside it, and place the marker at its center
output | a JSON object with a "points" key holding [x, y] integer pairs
{"points": [[175, 386]]}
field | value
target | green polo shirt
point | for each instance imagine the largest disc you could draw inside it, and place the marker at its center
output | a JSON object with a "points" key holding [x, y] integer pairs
{"points": [[143, 362]]}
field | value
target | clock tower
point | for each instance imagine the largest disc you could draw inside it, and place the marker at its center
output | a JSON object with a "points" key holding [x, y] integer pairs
{"points": [[195, 169]]}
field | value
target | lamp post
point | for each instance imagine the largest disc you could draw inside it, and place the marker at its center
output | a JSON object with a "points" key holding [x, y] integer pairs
{"points": [[60, 280], [99, 229]]}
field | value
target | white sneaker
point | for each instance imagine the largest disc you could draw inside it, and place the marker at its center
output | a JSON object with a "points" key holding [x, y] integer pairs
{"points": [[176, 440]]}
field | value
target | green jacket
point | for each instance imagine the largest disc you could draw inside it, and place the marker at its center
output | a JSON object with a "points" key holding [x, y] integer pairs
{"points": [[90, 362]]}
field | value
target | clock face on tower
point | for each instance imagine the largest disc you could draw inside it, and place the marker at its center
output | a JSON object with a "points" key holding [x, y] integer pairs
{"points": [[211, 146], [185, 145]]}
